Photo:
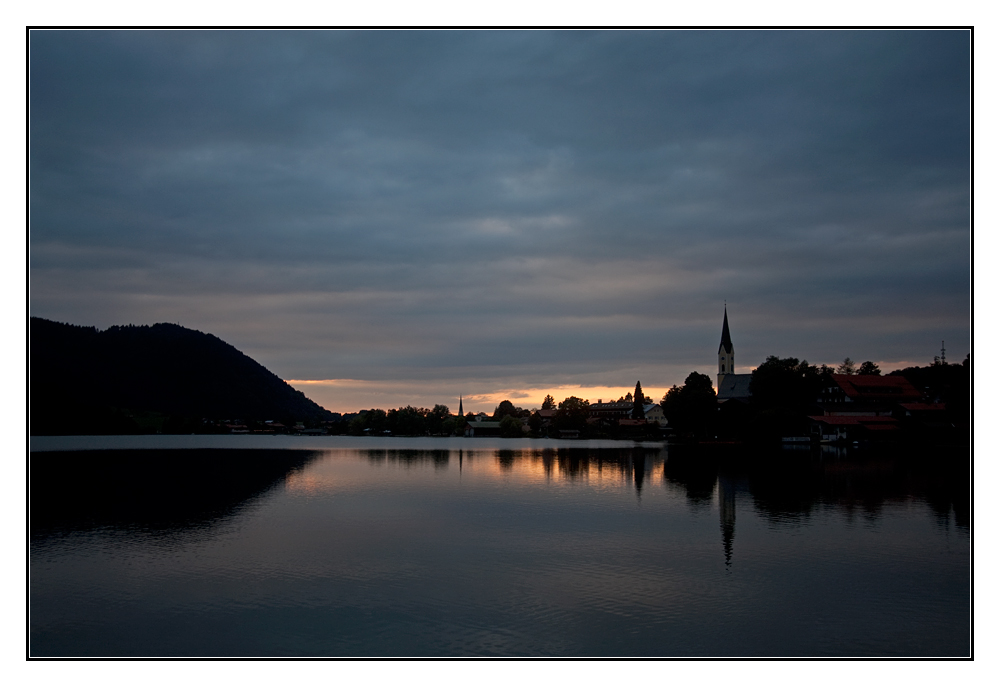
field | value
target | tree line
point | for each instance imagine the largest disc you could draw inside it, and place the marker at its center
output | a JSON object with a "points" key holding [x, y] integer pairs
{"points": [[784, 392], [571, 414]]}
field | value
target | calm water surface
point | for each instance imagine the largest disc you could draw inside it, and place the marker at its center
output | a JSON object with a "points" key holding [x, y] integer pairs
{"points": [[494, 548]]}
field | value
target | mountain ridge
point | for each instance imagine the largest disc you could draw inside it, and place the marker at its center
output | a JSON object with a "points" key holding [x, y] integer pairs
{"points": [[82, 377]]}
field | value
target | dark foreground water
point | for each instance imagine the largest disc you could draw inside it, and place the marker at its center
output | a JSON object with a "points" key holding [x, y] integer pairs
{"points": [[491, 551]]}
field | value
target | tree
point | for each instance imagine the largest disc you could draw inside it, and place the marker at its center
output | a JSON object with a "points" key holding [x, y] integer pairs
{"points": [[436, 419], [785, 383], [535, 422], [373, 420], [846, 367], [638, 413], [510, 426], [572, 414], [452, 426], [505, 409], [691, 409], [783, 392], [408, 421], [572, 404], [949, 384], [671, 404], [549, 403], [869, 368]]}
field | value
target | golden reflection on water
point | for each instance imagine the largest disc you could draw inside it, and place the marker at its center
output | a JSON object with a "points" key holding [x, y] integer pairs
{"points": [[343, 469], [311, 484]]}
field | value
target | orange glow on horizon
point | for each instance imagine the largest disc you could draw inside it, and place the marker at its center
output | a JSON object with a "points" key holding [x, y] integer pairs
{"points": [[352, 395], [396, 394], [533, 397]]}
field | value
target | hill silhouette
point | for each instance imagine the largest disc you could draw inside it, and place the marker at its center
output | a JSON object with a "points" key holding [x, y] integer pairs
{"points": [[86, 381]]}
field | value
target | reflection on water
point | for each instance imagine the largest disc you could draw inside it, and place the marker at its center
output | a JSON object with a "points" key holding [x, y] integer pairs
{"points": [[150, 491], [633, 463], [727, 514], [633, 550]]}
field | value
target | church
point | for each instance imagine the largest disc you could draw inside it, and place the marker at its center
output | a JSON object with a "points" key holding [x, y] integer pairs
{"points": [[731, 386]]}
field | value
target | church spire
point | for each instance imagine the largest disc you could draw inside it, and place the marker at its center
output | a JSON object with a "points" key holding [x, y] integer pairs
{"points": [[727, 354], [727, 343], [460, 413]]}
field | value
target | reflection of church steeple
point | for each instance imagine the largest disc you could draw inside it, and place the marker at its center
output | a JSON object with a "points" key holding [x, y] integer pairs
{"points": [[727, 515], [638, 470]]}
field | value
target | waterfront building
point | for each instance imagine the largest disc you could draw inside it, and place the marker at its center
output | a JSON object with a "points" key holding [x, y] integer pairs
{"points": [[865, 395], [482, 428], [864, 407], [654, 413], [620, 409]]}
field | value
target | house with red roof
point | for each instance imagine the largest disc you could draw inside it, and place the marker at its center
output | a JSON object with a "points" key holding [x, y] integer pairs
{"points": [[862, 407], [865, 395]]}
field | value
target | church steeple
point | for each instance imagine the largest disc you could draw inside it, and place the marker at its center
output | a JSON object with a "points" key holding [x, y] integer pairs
{"points": [[727, 342], [460, 413], [727, 353]]}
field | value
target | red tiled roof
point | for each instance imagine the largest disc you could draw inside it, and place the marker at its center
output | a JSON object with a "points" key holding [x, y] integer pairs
{"points": [[876, 387], [874, 380]]}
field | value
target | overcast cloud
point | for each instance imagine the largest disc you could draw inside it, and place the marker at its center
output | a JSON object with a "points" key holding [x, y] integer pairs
{"points": [[507, 210]]}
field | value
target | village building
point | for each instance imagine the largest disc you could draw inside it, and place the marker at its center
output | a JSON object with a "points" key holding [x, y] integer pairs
{"points": [[863, 407], [836, 428], [862, 395], [547, 415], [481, 427], [611, 410], [730, 386], [929, 418], [620, 413], [654, 413]]}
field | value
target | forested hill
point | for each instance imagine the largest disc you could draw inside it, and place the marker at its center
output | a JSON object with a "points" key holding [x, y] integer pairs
{"points": [[83, 380]]}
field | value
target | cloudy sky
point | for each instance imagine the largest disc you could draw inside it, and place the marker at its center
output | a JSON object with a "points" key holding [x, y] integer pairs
{"points": [[386, 218]]}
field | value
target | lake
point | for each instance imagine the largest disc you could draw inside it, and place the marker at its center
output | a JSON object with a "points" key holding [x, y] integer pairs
{"points": [[340, 546]]}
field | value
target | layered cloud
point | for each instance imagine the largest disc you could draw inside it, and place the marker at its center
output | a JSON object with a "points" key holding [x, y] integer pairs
{"points": [[531, 208]]}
